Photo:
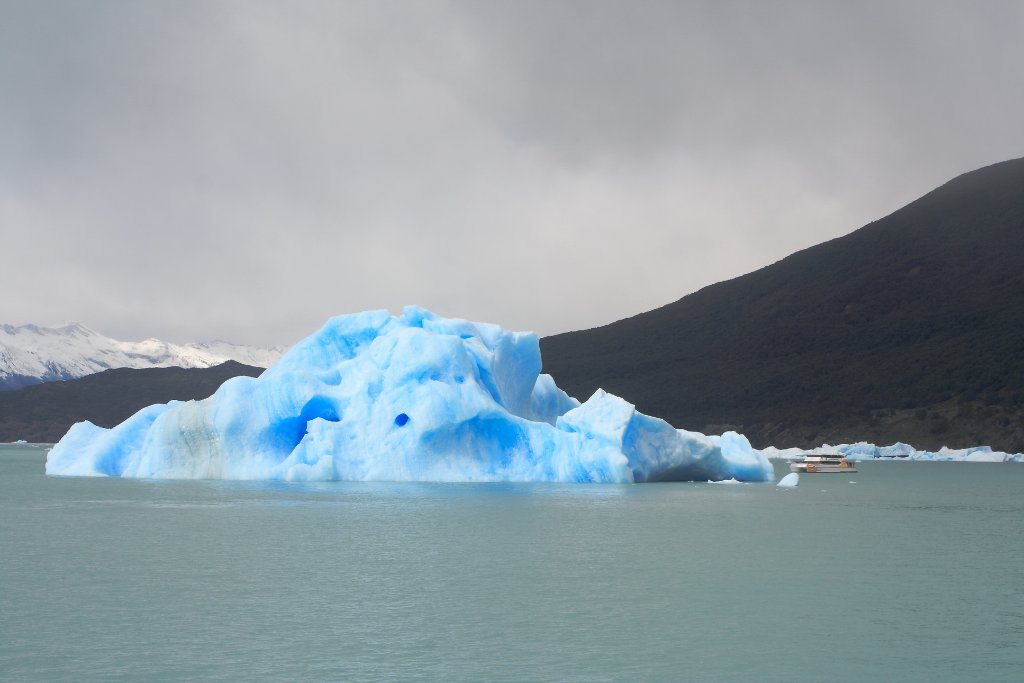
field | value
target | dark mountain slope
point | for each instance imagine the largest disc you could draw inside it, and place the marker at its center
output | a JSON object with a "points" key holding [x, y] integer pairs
{"points": [[910, 328], [43, 413]]}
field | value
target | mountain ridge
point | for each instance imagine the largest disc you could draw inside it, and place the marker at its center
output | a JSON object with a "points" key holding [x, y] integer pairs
{"points": [[909, 329], [34, 354], [920, 310]]}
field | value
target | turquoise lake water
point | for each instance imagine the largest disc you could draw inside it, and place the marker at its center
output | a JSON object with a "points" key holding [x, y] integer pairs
{"points": [[900, 572]]}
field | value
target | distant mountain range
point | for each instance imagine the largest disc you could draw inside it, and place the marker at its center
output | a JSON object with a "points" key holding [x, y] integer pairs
{"points": [[31, 354], [910, 328]]}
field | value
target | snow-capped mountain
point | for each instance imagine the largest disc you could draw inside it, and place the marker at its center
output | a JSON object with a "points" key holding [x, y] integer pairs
{"points": [[31, 354]]}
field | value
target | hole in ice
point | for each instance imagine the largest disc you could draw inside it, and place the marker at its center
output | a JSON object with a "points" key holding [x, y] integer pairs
{"points": [[401, 419], [321, 407], [289, 431]]}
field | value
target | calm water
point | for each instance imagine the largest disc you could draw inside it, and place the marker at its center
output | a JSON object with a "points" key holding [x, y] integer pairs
{"points": [[913, 573]]}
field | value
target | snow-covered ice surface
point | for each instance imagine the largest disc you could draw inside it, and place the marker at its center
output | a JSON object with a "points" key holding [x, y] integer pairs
{"points": [[415, 397], [898, 451], [30, 354]]}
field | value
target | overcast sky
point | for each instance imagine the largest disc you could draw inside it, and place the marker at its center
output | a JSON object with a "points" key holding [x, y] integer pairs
{"points": [[244, 170]]}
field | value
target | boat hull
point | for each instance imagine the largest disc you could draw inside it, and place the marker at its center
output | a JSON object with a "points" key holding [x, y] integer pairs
{"points": [[818, 468]]}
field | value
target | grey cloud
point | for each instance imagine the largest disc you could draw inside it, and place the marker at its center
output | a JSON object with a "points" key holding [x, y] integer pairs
{"points": [[245, 169]]}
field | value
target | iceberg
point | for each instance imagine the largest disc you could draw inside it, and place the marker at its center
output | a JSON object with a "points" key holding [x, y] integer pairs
{"points": [[789, 481], [415, 397]]}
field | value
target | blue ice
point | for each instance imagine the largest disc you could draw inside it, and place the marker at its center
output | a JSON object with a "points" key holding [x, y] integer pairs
{"points": [[415, 397]]}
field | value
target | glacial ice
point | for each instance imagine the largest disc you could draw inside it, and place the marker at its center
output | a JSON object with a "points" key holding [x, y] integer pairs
{"points": [[416, 397], [791, 480], [898, 451]]}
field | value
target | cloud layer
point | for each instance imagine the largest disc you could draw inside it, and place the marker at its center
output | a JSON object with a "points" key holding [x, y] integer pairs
{"points": [[244, 170]]}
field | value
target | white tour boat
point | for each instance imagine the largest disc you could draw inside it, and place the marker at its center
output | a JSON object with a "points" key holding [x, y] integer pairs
{"points": [[822, 463]]}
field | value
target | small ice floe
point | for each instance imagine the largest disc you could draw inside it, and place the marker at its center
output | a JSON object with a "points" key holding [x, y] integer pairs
{"points": [[726, 481], [789, 481]]}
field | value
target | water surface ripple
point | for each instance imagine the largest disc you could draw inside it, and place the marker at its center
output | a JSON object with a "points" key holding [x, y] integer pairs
{"points": [[900, 572]]}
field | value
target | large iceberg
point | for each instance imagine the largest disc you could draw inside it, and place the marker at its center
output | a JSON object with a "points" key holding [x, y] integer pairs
{"points": [[416, 397]]}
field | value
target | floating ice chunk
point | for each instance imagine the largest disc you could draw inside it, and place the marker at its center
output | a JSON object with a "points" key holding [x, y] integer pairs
{"points": [[774, 453], [414, 397], [789, 481], [985, 456], [898, 451]]}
